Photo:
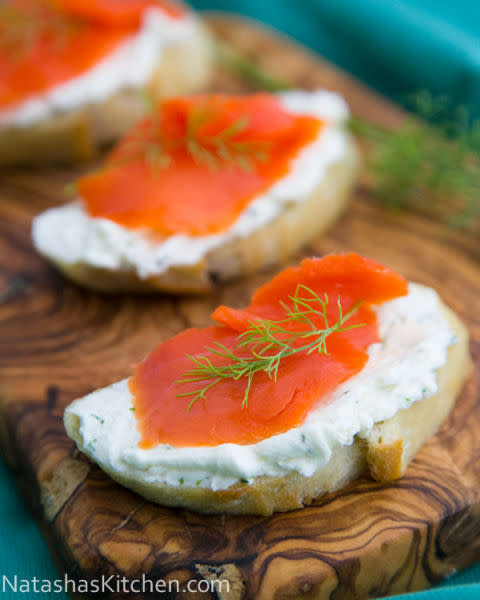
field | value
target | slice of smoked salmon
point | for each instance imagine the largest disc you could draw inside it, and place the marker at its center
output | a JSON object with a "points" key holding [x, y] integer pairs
{"points": [[123, 13], [348, 276], [303, 380], [196, 163], [44, 43]]}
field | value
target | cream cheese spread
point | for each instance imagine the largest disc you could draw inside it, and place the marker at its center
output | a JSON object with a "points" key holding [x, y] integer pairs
{"points": [[69, 235], [131, 65], [401, 370]]}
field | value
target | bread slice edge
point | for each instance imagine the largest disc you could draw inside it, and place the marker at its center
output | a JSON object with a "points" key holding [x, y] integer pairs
{"points": [[295, 226], [384, 454]]}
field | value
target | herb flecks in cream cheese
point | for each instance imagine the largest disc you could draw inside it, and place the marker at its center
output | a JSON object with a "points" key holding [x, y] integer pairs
{"points": [[401, 370], [69, 235]]}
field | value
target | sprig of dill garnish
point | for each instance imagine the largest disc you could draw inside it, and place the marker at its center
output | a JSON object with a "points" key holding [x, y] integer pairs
{"points": [[266, 342], [223, 147], [21, 30], [148, 143], [431, 167]]}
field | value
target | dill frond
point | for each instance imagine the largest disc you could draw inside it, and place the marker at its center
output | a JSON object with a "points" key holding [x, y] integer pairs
{"points": [[266, 343]]}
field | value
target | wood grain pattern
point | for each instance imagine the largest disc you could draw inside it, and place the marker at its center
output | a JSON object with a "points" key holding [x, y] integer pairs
{"points": [[59, 342]]}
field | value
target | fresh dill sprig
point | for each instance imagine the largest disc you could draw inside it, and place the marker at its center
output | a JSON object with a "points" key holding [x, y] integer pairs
{"points": [[147, 143], [21, 30], [432, 169], [16, 29], [249, 70], [428, 169], [263, 346], [213, 150], [70, 189], [222, 147]]}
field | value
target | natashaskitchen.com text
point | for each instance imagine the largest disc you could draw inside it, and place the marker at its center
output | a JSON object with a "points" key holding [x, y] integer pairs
{"points": [[107, 584]]}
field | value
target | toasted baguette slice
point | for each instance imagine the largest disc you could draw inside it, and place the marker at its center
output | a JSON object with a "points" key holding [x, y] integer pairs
{"points": [[295, 226], [77, 135], [384, 454]]}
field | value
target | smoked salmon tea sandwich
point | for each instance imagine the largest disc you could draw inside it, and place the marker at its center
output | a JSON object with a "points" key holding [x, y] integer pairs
{"points": [[337, 368], [204, 189], [71, 71]]}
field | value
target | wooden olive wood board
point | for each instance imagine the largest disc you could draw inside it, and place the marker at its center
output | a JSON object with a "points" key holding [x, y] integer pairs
{"points": [[59, 342]]}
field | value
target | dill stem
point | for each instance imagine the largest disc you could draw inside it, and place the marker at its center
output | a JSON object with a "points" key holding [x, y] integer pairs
{"points": [[260, 340], [249, 70]]}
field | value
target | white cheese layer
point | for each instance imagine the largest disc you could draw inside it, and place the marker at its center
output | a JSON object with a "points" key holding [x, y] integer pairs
{"points": [[131, 65], [69, 235], [400, 371]]}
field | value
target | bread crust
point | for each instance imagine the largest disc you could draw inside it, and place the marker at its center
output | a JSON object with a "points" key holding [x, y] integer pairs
{"points": [[294, 227], [78, 135], [384, 454]]}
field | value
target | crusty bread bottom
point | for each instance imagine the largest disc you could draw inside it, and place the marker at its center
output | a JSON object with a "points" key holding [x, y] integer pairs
{"points": [[385, 453], [296, 225], [77, 135]]}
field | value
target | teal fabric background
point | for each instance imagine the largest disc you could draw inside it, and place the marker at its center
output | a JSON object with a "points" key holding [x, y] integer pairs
{"points": [[24, 553], [395, 46], [22, 549]]}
